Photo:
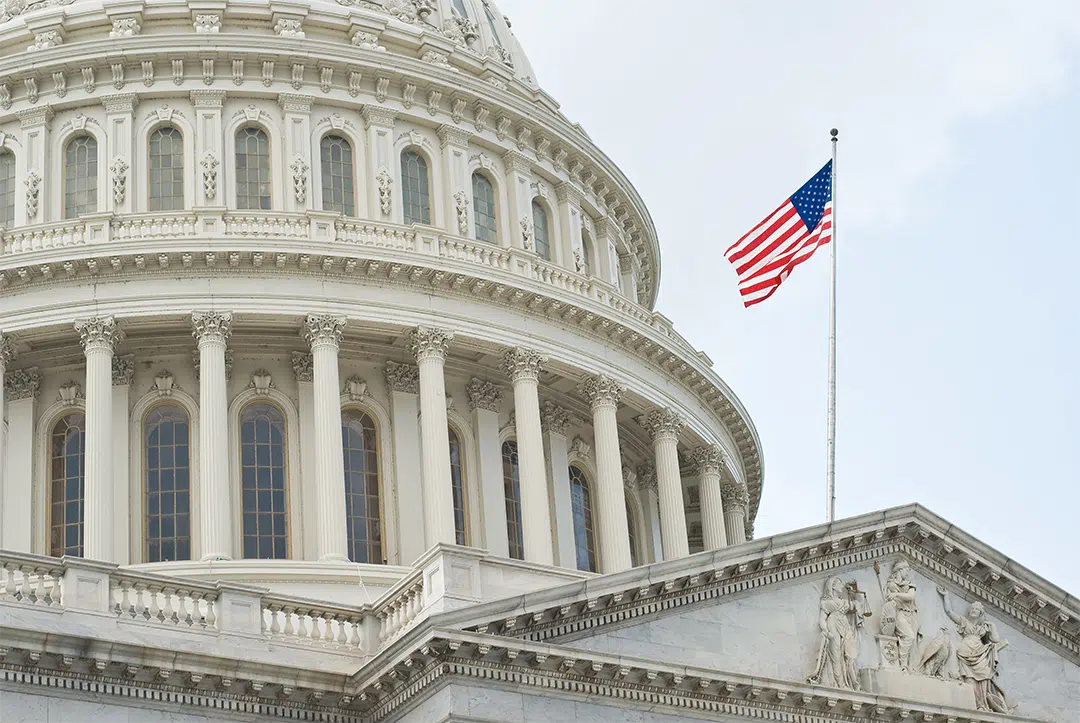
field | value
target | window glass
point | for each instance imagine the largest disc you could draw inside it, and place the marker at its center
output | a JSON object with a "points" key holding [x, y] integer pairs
{"points": [[484, 208], [337, 175], [263, 483], [416, 201], [540, 231], [586, 253], [582, 512], [67, 457], [457, 480], [631, 531], [168, 484], [512, 494], [363, 513], [80, 176], [7, 189], [252, 169], [491, 24], [458, 7], [166, 170]]}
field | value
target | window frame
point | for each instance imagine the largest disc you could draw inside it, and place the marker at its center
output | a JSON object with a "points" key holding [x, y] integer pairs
{"points": [[383, 529], [287, 467], [538, 205], [183, 157], [421, 155], [144, 539], [589, 515], [53, 421], [6, 152], [95, 177], [463, 462], [512, 543], [235, 150], [354, 179], [494, 240]]}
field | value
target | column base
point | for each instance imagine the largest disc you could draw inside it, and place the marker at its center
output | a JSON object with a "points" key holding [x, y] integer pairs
{"points": [[214, 556], [334, 558]]}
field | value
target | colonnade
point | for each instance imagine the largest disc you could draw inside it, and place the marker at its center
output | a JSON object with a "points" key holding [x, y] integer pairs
{"points": [[723, 501]]}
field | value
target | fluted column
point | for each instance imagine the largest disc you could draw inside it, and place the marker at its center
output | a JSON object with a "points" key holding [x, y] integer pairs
{"points": [[7, 355], [523, 367], [100, 335], [664, 426], [736, 499], [324, 332], [708, 461], [212, 330], [603, 394], [430, 346]]}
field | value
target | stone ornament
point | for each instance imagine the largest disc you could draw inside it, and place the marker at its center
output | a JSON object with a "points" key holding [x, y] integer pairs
{"points": [[554, 419], [663, 424], [14, 8], [403, 377], [356, 389], [303, 366], [207, 23], [209, 165], [289, 28], [461, 204], [428, 342], [164, 384], [7, 351], [579, 261], [100, 333], [526, 233], [70, 392], [119, 170], [33, 193], [438, 59], [22, 384], [707, 459], [734, 496], [211, 326], [125, 28], [323, 330], [602, 390], [404, 10], [581, 448], [385, 181], [899, 619], [367, 41], [46, 39], [646, 475], [523, 364], [484, 395], [980, 644], [123, 369], [841, 616], [262, 382], [299, 176], [196, 360]]}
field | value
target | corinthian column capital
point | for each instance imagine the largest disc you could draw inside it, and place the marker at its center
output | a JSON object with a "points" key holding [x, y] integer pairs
{"points": [[554, 419], [99, 333], [484, 395], [602, 390], [734, 495], [707, 459], [429, 342], [521, 363], [7, 350], [211, 326], [323, 330], [663, 424]]}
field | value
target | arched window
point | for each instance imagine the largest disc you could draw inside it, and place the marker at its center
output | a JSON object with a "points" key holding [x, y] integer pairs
{"points": [[168, 484], [166, 170], [415, 199], [457, 479], [631, 532], [363, 512], [263, 482], [7, 189], [512, 493], [80, 176], [491, 24], [586, 253], [252, 169], [337, 175], [67, 453], [458, 8], [584, 531], [483, 198], [540, 231]]}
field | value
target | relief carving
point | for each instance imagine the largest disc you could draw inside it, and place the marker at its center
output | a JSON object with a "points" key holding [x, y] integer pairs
{"points": [[899, 618], [840, 616], [980, 643]]}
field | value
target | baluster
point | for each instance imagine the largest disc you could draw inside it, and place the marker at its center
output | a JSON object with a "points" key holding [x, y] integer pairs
{"points": [[342, 637], [315, 633], [9, 581], [52, 594], [290, 629], [196, 616], [39, 586], [211, 610], [384, 626], [275, 625], [140, 610], [185, 598], [354, 631], [154, 612], [328, 633]]}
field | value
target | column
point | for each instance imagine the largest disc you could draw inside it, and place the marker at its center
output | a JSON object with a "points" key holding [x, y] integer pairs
{"points": [[304, 373], [607, 256], [485, 399], [20, 391], [99, 335], [736, 499], [119, 124], [297, 112], [663, 426], [523, 367], [570, 222], [708, 461], [324, 332], [379, 124], [212, 330], [456, 180], [403, 382], [603, 394], [7, 355], [430, 346], [554, 421], [123, 369], [43, 203], [209, 154]]}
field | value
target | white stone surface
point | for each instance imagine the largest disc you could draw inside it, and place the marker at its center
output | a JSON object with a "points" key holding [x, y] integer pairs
{"points": [[17, 706]]}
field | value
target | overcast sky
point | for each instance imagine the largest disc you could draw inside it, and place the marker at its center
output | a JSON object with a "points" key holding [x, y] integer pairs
{"points": [[959, 256]]}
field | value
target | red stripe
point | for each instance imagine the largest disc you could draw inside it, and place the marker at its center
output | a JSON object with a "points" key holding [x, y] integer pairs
{"points": [[799, 230], [755, 228]]}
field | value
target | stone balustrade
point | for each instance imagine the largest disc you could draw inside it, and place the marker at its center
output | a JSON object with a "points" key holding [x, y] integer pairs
{"points": [[309, 622], [401, 607], [31, 579], [164, 600]]}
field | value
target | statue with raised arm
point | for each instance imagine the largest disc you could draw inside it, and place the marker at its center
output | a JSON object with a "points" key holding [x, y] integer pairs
{"points": [[980, 643], [900, 616], [839, 618]]}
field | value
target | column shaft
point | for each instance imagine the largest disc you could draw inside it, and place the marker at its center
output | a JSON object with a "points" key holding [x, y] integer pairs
{"points": [[331, 540], [7, 353], [610, 495], [735, 503], [709, 461], [523, 367], [664, 426], [215, 508], [430, 347]]}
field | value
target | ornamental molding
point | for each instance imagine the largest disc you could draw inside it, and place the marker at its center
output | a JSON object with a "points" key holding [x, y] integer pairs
{"points": [[261, 382], [708, 459], [119, 170], [211, 326], [21, 384], [355, 389], [522, 364], [207, 23], [484, 395], [646, 475], [385, 181], [123, 369], [303, 366], [663, 424], [70, 393], [196, 360], [8, 353], [602, 390], [734, 496], [165, 384], [323, 330], [403, 377], [125, 28], [461, 205], [101, 333], [580, 448], [299, 169], [209, 165], [429, 342], [453, 136], [554, 419], [33, 193]]}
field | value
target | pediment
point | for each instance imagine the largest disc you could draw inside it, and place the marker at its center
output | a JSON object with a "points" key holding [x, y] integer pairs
{"points": [[758, 610]]}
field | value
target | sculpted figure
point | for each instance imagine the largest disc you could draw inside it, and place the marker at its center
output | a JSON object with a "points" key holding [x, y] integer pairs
{"points": [[839, 619], [978, 654], [900, 616]]}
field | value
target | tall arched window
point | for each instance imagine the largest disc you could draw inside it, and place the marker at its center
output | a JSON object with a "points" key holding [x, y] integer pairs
{"points": [[338, 195], [67, 452], [584, 531], [631, 532], [80, 176], [263, 482], [166, 170], [540, 231], [483, 198], [512, 493], [491, 24], [415, 198], [363, 513], [7, 189], [252, 169], [457, 480], [586, 253], [168, 484]]}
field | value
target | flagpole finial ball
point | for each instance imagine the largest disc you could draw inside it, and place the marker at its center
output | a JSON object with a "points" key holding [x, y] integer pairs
{"points": [[834, 133]]}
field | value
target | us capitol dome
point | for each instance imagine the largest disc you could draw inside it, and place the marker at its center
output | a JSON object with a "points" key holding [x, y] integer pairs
{"points": [[331, 371]]}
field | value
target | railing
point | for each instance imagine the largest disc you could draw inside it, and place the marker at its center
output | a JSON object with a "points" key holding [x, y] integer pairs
{"points": [[163, 600], [31, 580], [401, 606], [43, 237], [266, 224], [153, 227], [293, 620]]}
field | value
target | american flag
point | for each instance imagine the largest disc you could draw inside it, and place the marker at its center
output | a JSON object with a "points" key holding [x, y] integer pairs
{"points": [[765, 256]]}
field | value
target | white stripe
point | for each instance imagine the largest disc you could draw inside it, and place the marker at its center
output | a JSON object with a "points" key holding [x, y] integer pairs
{"points": [[749, 240]]}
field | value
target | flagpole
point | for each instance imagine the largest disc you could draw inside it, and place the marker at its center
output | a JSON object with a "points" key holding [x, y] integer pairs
{"points": [[831, 466]]}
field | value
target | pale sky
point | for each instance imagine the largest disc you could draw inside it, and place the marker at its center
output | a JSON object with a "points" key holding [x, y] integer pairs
{"points": [[959, 256]]}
